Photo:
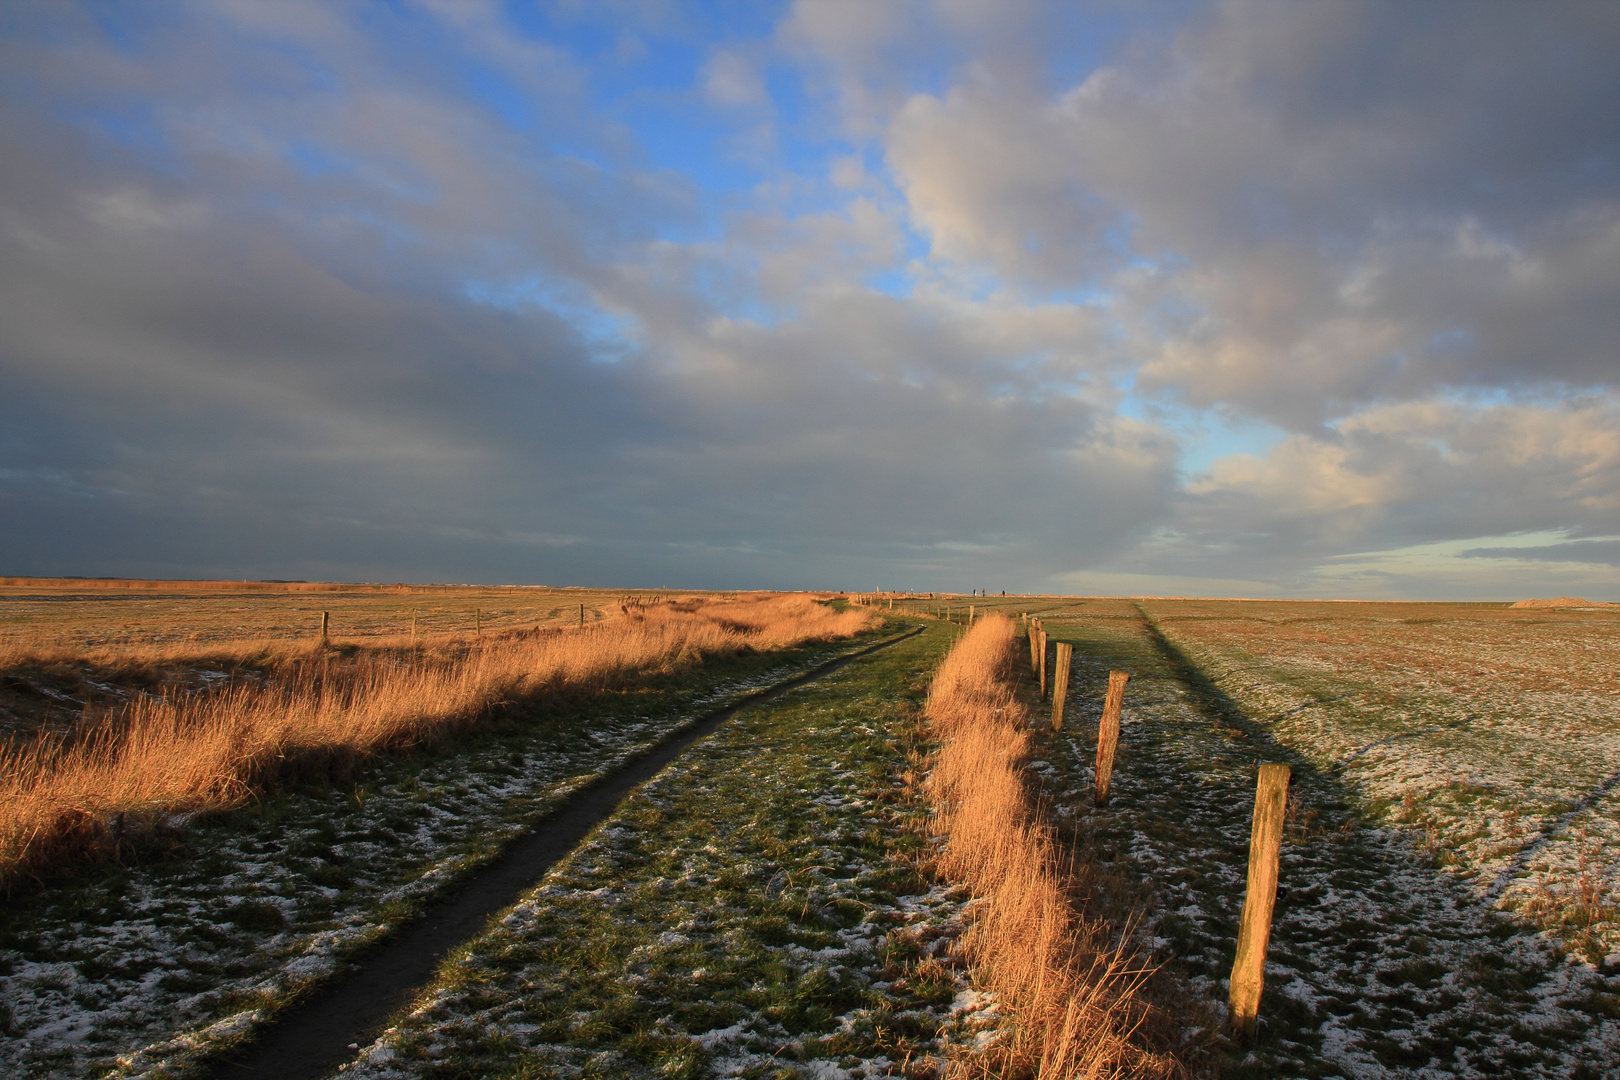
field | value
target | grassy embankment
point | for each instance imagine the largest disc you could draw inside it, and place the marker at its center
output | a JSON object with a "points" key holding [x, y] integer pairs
{"points": [[1066, 981], [128, 770]]}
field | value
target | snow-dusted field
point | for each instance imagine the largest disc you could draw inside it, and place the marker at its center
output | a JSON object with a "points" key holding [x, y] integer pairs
{"points": [[1454, 809], [153, 967], [1449, 861], [751, 912], [1490, 735]]}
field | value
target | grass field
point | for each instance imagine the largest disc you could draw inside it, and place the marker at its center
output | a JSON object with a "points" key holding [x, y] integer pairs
{"points": [[43, 614], [765, 906], [175, 954], [1449, 874], [730, 919], [123, 772], [1490, 735], [67, 645]]}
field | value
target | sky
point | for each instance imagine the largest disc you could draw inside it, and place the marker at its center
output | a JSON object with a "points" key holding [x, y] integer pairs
{"points": [[1215, 299]]}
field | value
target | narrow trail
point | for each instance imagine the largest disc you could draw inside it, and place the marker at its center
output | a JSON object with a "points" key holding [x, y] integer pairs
{"points": [[314, 1038]]}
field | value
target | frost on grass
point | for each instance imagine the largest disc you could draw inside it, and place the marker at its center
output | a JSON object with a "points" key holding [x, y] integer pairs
{"points": [[753, 911], [1387, 957], [152, 968], [1490, 737]]}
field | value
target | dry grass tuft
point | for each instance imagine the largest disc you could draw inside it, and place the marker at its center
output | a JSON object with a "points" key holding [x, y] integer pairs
{"points": [[143, 766], [1068, 986]]}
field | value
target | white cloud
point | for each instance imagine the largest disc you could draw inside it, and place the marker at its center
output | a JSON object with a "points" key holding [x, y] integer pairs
{"points": [[133, 210], [730, 79]]}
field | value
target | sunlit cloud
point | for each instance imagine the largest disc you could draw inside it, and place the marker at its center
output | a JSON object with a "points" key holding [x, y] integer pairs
{"points": [[1199, 299]]}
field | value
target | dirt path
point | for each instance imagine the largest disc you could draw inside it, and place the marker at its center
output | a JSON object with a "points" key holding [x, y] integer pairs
{"points": [[1380, 965], [315, 1038]]}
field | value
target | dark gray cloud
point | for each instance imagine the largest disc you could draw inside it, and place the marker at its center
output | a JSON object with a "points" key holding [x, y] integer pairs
{"points": [[1577, 551], [1337, 203], [214, 363], [281, 296]]}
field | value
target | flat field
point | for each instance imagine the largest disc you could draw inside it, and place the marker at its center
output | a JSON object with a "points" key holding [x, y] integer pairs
{"points": [[794, 879], [1450, 858], [1489, 734], [45, 613], [756, 909], [68, 644]]}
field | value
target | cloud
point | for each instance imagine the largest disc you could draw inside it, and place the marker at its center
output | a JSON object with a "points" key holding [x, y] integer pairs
{"points": [[296, 291], [1305, 209], [1400, 477], [348, 328], [991, 178], [730, 79], [1606, 552]]}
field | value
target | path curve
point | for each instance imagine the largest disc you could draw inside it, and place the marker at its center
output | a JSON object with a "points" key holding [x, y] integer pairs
{"points": [[314, 1038]]}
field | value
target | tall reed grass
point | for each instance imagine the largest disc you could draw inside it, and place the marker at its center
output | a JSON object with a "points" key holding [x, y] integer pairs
{"points": [[132, 769], [1067, 984]]}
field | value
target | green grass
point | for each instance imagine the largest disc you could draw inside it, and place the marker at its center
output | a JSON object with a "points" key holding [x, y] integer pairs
{"points": [[230, 919], [754, 906], [1380, 957]]}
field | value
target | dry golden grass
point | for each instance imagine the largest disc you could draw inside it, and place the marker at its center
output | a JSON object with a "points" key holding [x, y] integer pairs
{"points": [[122, 617], [1068, 986], [157, 757]]}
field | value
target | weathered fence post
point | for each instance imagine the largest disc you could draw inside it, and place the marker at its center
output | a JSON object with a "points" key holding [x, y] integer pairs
{"points": [[1108, 733], [1060, 684], [326, 620], [970, 614], [582, 616], [1254, 934], [1042, 635]]}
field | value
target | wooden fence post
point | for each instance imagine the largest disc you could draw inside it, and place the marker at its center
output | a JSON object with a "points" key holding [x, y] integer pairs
{"points": [[1108, 733], [1042, 635], [326, 619], [1060, 684], [478, 621], [582, 616], [1249, 968], [970, 614]]}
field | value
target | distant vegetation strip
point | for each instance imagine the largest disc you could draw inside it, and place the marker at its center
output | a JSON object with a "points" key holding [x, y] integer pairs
{"points": [[1065, 983], [144, 766], [83, 584]]}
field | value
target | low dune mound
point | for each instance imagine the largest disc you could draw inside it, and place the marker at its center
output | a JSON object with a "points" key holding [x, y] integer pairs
{"points": [[1562, 601]]}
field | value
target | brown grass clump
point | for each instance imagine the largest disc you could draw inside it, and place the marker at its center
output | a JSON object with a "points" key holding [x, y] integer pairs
{"points": [[1068, 987], [157, 758]]}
